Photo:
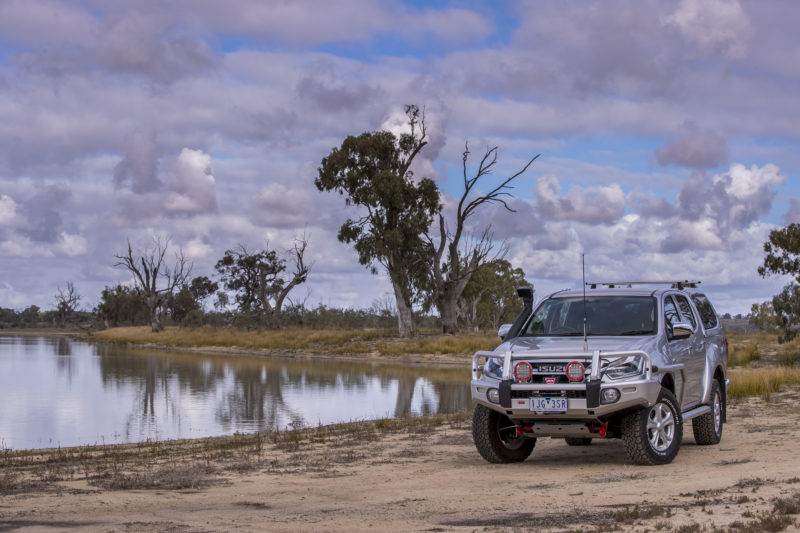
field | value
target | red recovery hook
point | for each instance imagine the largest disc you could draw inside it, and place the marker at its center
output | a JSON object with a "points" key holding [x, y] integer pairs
{"points": [[523, 429], [602, 429]]}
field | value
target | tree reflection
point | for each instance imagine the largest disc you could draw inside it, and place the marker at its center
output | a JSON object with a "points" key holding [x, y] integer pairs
{"points": [[247, 394]]}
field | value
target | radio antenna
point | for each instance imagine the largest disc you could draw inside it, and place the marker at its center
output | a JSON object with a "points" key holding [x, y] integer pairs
{"points": [[583, 275]]}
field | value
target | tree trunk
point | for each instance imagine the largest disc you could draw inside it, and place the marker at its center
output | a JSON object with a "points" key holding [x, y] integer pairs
{"points": [[152, 306], [447, 301], [448, 311], [405, 313]]}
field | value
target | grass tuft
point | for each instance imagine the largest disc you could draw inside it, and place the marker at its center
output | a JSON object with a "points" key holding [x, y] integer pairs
{"points": [[630, 515], [743, 354], [787, 506], [9, 482], [173, 477], [761, 382]]}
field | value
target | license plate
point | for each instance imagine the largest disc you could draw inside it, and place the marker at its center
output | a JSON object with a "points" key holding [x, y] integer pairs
{"points": [[549, 404]]}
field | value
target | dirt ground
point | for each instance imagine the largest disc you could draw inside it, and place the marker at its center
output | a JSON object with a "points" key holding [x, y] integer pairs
{"points": [[429, 477]]}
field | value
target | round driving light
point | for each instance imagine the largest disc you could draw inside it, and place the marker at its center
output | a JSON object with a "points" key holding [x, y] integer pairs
{"points": [[575, 371], [609, 396], [523, 371], [493, 395]]}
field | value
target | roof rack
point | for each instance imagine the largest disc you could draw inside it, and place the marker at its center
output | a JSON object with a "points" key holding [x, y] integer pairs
{"points": [[677, 284]]}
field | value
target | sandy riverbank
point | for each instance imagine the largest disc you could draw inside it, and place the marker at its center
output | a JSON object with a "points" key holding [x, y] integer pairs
{"points": [[416, 475]]}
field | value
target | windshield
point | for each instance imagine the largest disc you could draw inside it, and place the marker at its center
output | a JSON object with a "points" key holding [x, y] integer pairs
{"points": [[605, 316]]}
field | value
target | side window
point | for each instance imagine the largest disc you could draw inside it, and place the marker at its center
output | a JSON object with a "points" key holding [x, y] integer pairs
{"points": [[670, 315], [707, 314], [686, 310]]}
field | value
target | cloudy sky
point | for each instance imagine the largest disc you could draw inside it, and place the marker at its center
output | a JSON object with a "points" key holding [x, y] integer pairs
{"points": [[668, 132]]}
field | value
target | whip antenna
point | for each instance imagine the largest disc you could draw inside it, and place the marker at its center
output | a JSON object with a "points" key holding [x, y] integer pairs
{"points": [[583, 275]]}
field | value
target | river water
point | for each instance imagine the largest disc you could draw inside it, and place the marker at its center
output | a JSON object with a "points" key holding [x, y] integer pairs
{"points": [[56, 391]]}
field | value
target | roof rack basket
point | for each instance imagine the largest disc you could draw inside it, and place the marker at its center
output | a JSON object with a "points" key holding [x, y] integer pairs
{"points": [[675, 284]]}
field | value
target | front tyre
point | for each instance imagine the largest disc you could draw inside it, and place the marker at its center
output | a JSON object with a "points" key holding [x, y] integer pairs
{"points": [[707, 428], [652, 436], [496, 439]]}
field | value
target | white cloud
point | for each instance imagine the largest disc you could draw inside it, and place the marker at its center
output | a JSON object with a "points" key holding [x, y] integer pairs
{"points": [[714, 25], [600, 204], [197, 248], [8, 212], [71, 245], [744, 183], [11, 297], [191, 184]]}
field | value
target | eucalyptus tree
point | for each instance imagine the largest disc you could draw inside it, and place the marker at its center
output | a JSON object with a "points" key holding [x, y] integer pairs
{"points": [[260, 281], [490, 298], [373, 172]]}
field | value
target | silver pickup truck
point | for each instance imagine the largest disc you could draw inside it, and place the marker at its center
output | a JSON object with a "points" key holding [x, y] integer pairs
{"points": [[628, 360]]}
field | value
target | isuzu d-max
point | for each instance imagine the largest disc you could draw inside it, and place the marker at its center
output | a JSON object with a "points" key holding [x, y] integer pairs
{"points": [[627, 360]]}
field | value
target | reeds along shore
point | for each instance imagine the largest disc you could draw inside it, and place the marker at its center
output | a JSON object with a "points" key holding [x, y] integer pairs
{"points": [[330, 341]]}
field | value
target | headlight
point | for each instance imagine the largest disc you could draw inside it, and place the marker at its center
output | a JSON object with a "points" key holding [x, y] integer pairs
{"points": [[625, 367], [493, 395]]}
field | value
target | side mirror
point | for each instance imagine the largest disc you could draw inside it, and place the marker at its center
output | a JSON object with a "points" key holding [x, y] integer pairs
{"points": [[503, 331], [682, 330]]}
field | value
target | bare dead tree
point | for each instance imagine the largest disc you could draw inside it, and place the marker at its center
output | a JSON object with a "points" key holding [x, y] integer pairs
{"points": [[66, 302], [154, 277], [454, 261]]}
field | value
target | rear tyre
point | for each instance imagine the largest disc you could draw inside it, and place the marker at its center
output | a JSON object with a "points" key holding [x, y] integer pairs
{"points": [[577, 441], [496, 439], [652, 436], [707, 428]]}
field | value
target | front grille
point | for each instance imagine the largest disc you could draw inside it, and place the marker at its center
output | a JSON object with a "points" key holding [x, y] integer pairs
{"points": [[535, 393], [555, 371]]}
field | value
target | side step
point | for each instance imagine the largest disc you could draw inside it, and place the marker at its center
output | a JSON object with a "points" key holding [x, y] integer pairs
{"points": [[697, 411]]}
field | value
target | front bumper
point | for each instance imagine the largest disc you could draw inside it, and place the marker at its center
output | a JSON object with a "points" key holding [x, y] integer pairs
{"points": [[632, 394], [584, 410]]}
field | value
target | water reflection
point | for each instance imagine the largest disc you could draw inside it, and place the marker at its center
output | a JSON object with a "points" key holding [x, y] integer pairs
{"points": [[64, 392]]}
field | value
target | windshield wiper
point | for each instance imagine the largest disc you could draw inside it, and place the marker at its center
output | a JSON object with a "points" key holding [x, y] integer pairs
{"points": [[636, 332]]}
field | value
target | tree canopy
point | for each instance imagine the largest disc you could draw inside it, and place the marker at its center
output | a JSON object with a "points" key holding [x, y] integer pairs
{"points": [[260, 281], [783, 252], [372, 171]]}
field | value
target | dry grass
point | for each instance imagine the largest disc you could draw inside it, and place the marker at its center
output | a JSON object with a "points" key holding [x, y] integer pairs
{"points": [[743, 355], [283, 339], [439, 344], [329, 341], [761, 382]]}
